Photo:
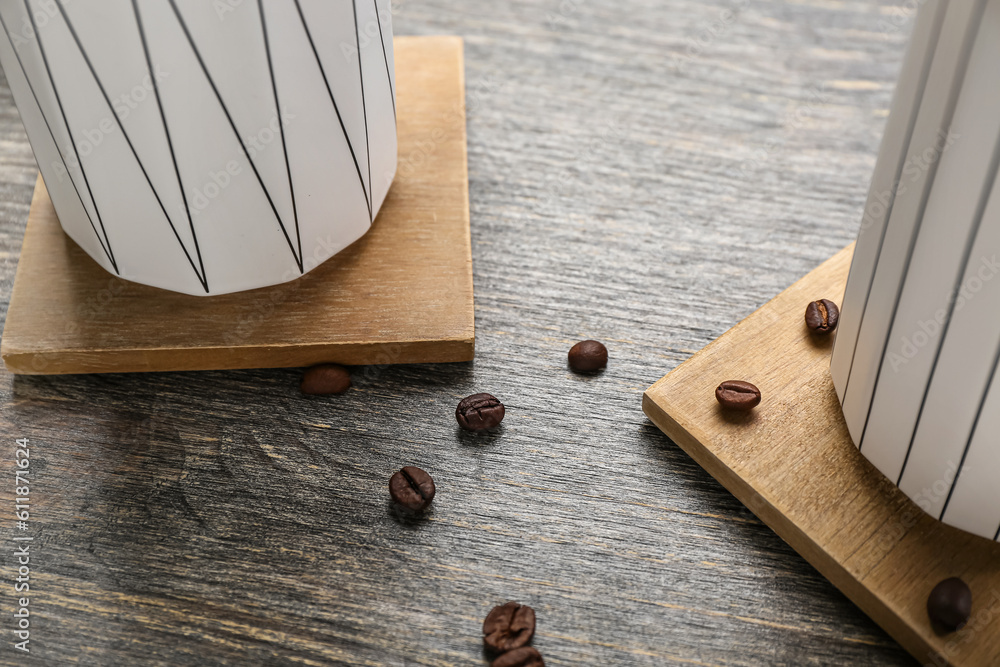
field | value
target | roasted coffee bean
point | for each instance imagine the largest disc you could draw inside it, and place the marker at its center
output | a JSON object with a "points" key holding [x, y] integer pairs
{"points": [[950, 604], [588, 355], [737, 395], [325, 379], [479, 412], [822, 316], [412, 488], [508, 627], [525, 656]]}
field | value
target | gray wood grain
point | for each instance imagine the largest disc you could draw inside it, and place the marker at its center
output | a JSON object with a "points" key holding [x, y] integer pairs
{"points": [[643, 172]]}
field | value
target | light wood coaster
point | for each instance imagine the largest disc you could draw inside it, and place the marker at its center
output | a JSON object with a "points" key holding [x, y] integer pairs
{"points": [[402, 294], [792, 462]]}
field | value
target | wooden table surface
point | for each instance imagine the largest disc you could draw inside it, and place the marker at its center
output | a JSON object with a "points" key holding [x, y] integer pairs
{"points": [[643, 172]]}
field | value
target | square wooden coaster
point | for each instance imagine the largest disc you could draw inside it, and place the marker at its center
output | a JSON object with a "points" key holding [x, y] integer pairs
{"points": [[401, 294], [792, 462]]}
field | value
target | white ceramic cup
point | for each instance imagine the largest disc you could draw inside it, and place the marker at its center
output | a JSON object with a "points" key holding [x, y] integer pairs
{"points": [[915, 360], [203, 146]]}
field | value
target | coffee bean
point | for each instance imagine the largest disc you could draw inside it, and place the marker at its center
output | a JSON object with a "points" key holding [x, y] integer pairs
{"points": [[950, 604], [588, 355], [508, 626], [822, 316], [520, 657], [737, 395], [412, 488], [479, 412], [325, 379]]}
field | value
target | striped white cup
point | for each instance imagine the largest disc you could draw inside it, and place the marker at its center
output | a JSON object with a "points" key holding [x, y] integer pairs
{"points": [[207, 146], [915, 360]]}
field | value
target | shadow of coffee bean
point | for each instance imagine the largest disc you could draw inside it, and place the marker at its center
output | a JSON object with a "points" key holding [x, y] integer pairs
{"points": [[408, 518]]}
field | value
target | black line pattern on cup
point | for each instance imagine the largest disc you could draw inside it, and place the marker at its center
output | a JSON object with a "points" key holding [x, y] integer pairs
{"points": [[52, 134], [967, 254], [236, 132], [921, 90], [62, 112], [972, 434], [385, 59], [336, 108], [364, 100], [104, 94], [281, 123], [956, 86], [170, 144]]}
